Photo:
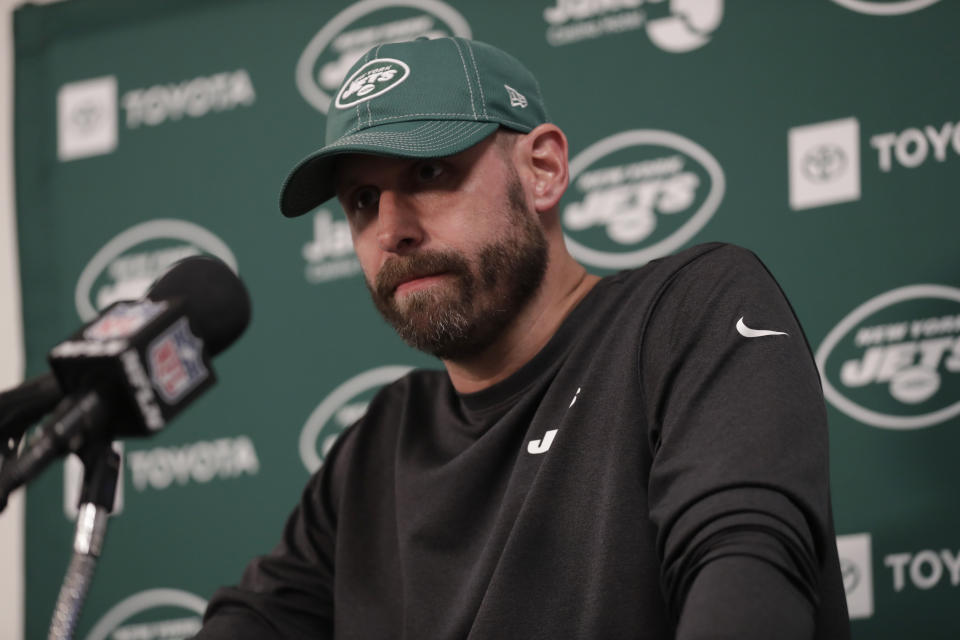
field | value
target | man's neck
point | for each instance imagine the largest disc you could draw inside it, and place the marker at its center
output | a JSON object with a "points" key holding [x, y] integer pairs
{"points": [[563, 287]]}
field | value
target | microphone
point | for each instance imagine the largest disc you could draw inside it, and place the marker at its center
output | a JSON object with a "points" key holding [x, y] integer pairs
{"points": [[26, 403], [23, 405], [138, 364]]}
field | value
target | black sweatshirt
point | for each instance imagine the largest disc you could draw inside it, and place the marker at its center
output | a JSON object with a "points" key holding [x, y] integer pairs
{"points": [[651, 473]]}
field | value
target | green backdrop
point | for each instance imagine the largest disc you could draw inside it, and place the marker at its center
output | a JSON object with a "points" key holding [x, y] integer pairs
{"points": [[822, 134]]}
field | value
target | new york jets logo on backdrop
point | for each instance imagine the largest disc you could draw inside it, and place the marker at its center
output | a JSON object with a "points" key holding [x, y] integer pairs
{"points": [[126, 266], [342, 407], [638, 195], [333, 51], [373, 79], [154, 613], [677, 26], [885, 7], [894, 361], [329, 254]]}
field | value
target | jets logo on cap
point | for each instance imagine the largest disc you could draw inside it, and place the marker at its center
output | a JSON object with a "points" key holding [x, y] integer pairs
{"points": [[371, 80]]}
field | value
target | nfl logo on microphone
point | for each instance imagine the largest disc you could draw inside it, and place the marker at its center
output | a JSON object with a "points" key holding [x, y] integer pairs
{"points": [[175, 360]]}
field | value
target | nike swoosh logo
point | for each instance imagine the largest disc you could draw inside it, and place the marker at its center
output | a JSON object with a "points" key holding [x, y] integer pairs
{"points": [[747, 332]]}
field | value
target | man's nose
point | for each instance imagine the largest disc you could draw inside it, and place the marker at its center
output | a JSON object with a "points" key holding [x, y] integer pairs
{"points": [[398, 223]]}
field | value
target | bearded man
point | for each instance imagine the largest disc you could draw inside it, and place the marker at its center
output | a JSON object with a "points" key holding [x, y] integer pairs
{"points": [[599, 458]]}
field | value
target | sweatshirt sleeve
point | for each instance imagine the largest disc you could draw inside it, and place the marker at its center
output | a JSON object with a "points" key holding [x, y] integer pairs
{"points": [[739, 488], [287, 593]]}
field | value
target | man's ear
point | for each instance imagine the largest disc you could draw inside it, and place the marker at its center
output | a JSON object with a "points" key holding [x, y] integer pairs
{"points": [[545, 157]]}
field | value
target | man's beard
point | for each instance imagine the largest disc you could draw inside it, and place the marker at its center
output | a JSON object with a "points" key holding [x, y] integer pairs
{"points": [[485, 297]]}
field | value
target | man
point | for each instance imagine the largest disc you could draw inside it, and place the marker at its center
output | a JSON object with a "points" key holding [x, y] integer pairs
{"points": [[615, 458]]}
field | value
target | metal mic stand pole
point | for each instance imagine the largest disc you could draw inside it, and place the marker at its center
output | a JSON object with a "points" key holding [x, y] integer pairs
{"points": [[100, 474]]}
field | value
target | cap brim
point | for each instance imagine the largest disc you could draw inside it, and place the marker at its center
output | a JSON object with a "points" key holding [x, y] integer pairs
{"points": [[311, 183]]}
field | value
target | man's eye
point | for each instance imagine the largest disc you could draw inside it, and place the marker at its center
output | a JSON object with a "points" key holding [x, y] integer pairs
{"points": [[429, 171], [365, 198]]}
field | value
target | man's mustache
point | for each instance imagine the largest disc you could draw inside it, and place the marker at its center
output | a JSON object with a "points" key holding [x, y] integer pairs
{"points": [[400, 269]]}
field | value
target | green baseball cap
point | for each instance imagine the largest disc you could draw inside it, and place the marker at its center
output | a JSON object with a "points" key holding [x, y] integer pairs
{"points": [[427, 98]]}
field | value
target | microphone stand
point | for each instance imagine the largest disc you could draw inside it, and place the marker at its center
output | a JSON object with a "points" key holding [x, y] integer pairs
{"points": [[100, 475]]}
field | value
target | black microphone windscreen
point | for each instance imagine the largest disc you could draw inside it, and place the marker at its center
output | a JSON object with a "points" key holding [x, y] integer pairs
{"points": [[215, 299]]}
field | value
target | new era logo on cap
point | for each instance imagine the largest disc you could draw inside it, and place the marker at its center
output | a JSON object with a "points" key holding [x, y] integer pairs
{"points": [[517, 99]]}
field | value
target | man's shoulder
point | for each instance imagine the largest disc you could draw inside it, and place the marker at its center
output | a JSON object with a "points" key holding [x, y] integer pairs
{"points": [[707, 259], [705, 254]]}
